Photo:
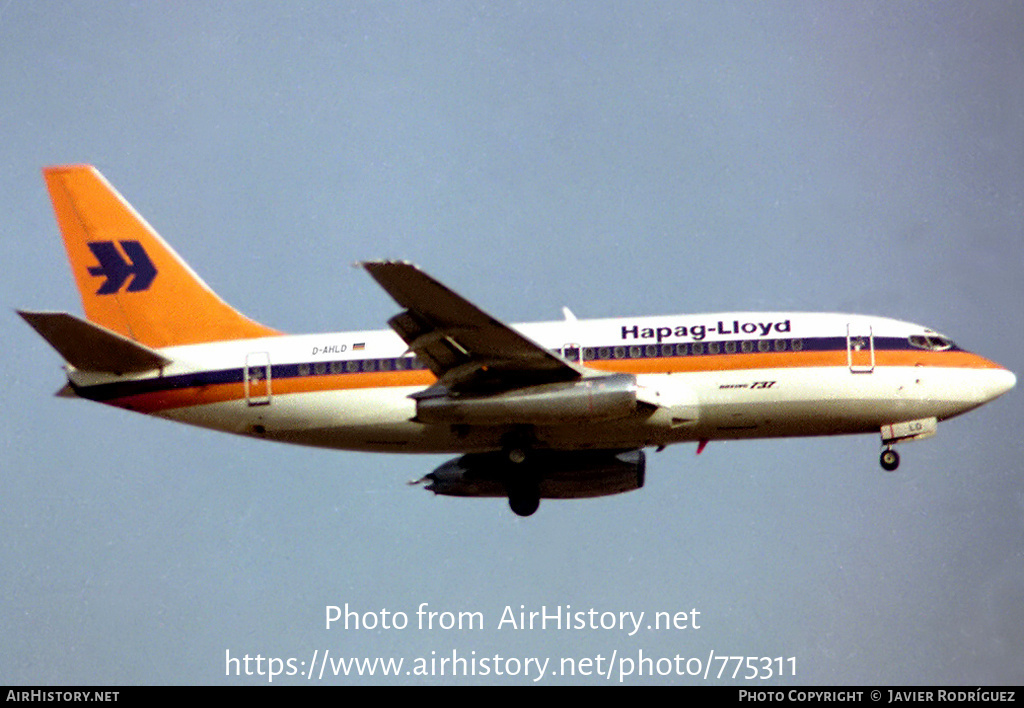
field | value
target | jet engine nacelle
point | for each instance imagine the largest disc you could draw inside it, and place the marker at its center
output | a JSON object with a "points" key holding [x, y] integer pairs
{"points": [[586, 400], [554, 474]]}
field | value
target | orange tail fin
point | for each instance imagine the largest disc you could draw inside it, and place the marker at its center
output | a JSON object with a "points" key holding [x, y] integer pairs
{"points": [[130, 280]]}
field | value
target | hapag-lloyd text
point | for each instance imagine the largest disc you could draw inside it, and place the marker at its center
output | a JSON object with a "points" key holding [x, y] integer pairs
{"points": [[699, 332]]}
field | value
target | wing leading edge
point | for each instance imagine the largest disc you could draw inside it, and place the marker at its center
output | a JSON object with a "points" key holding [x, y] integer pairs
{"points": [[467, 349]]}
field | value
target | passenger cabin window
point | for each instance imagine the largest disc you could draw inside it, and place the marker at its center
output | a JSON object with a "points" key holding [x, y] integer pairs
{"points": [[931, 342]]}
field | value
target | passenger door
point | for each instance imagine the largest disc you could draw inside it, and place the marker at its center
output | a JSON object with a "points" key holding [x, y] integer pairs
{"points": [[257, 379], [860, 348]]}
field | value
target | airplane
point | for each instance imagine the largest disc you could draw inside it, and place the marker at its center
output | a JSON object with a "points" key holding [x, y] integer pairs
{"points": [[561, 409]]}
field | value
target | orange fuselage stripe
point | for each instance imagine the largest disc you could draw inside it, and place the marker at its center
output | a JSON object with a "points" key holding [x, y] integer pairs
{"points": [[156, 401]]}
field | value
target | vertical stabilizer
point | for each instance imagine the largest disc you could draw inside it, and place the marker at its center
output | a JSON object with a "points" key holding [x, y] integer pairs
{"points": [[130, 280]]}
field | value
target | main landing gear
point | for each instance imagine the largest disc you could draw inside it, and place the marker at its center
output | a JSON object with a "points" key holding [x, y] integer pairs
{"points": [[521, 482], [889, 460], [523, 497]]}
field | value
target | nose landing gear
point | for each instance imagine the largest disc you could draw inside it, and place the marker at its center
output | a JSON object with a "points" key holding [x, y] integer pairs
{"points": [[904, 431], [889, 460]]}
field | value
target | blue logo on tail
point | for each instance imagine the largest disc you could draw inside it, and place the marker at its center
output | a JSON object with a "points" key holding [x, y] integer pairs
{"points": [[116, 268]]}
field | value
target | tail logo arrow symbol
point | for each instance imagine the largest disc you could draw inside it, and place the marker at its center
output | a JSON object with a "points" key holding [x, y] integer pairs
{"points": [[116, 268]]}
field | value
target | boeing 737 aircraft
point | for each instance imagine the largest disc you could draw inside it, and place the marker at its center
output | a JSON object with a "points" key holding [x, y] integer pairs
{"points": [[545, 410]]}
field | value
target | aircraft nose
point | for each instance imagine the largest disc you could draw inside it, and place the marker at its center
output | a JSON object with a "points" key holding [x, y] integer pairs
{"points": [[1001, 381]]}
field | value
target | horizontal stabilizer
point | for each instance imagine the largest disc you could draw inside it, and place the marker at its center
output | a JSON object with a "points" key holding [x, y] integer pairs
{"points": [[89, 347]]}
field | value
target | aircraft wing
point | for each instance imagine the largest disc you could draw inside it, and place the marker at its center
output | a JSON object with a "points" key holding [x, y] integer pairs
{"points": [[467, 349]]}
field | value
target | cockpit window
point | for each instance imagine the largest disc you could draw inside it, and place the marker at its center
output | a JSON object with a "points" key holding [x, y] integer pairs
{"points": [[931, 342]]}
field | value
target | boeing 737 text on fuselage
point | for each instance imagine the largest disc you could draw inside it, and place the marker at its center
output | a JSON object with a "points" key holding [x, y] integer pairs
{"points": [[544, 410]]}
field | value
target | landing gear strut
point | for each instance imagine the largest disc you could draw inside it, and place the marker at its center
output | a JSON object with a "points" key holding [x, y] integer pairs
{"points": [[516, 455], [517, 445], [889, 460], [521, 483]]}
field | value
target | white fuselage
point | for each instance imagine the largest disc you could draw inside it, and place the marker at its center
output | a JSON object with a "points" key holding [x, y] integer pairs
{"points": [[716, 376]]}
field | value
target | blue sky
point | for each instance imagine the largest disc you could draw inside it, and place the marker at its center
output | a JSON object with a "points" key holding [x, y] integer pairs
{"points": [[618, 158]]}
